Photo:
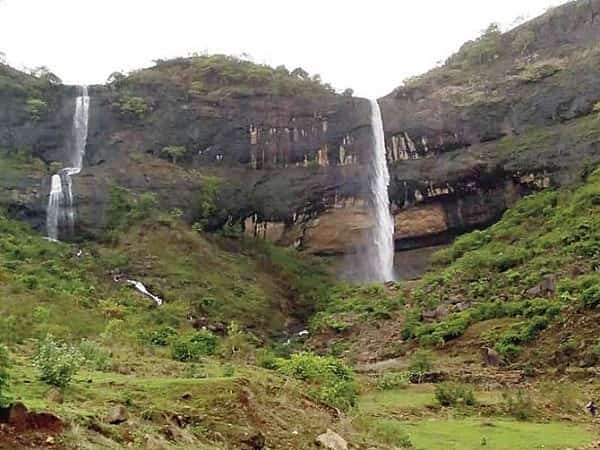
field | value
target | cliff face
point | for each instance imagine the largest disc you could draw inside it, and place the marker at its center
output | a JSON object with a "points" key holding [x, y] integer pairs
{"points": [[508, 114]]}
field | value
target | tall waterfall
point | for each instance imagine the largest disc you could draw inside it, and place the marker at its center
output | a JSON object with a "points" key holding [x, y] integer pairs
{"points": [[60, 204], [382, 252]]}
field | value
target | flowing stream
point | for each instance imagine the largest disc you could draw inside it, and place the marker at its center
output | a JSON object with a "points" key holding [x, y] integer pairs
{"points": [[381, 258], [61, 208]]}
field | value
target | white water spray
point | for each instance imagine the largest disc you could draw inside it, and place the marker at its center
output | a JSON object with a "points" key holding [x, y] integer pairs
{"points": [[143, 290], [60, 203], [56, 195], [382, 256]]}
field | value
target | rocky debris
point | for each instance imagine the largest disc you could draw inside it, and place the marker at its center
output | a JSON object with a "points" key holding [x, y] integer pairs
{"points": [[592, 408], [20, 419], [437, 314], [331, 441], [545, 288], [491, 357], [256, 441], [117, 414], [186, 396]]}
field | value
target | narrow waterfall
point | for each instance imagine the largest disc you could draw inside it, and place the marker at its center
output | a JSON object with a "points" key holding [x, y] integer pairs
{"points": [[61, 204], [382, 252], [53, 211]]}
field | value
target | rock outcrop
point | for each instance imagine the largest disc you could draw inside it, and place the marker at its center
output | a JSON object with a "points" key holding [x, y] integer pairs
{"points": [[508, 114]]}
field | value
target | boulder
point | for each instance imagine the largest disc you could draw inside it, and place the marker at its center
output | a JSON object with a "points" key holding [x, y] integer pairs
{"points": [[491, 357], [117, 415], [331, 441]]}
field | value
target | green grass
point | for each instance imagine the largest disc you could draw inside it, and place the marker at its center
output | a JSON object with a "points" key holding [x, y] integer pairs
{"points": [[467, 434], [546, 234]]}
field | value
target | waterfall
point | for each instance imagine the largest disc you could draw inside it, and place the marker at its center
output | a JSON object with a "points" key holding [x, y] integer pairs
{"points": [[54, 201], [381, 258], [61, 204]]}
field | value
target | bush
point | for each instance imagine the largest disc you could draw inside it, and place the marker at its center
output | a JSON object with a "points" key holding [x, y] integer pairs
{"points": [[162, 336], [590, 297], [192, 346], [449, 394], [518, 405], [389, 381], [57, 363], [331, 380], [236, 344], [36, 108], [94, 356], [135, 107], [4, 377], [266, 359], [420, 364]]}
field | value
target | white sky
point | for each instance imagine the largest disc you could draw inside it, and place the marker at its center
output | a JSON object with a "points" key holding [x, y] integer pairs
{"points": [[369, 45]]}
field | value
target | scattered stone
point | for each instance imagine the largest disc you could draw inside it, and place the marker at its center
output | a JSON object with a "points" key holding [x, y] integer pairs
{"points": [[256, 442], [50, 440], [117, 414], [545, 288], [491, 357], [186, 396], [55, 396], [331, 441], [592, 408], [438, 313]]}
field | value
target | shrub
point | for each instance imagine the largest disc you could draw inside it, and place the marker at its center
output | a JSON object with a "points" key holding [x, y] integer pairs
{"points": [[331, 380], [162, 336], [236, 344], [57, 363], [94, 356], [192, 346], [449, 394], [36, 108], [420, 364], [4, 377], [518, 405], [389, 381], [590, 297], [174, 152], [135, 107], [266, 358]]}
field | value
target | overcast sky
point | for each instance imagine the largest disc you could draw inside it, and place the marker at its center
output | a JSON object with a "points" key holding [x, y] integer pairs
{"points": [[369, 45]]}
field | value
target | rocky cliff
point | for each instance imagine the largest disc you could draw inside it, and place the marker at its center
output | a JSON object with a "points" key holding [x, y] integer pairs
{"points": [[286, 157], [507, 114]]}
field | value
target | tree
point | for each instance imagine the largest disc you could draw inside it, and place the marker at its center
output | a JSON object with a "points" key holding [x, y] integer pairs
{"points": [[43, 73], [299, 72], [116, 78], [174, 152], [348, 92]]}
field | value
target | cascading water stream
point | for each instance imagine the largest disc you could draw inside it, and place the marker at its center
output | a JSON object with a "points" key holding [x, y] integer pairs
{"points": [[60, 203], [382, 254]]}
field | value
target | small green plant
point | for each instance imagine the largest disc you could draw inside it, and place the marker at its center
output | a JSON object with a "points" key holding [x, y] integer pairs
{"points": [[390, 381], [331, 381], [57, 363], [94, 356], [228, 371], [596, 349], [237, 344], [36, 108], [191, 346], [4, 376], [174, 152], [420, 364], [519, 405], [450, 394], [162, 336], [135, 107]]}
